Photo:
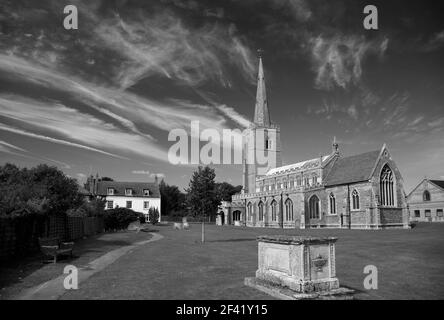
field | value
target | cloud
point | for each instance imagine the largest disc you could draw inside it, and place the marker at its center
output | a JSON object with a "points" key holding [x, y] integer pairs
{"points": [[65, 122], [338, 60], [234, 115], [162, 44]]}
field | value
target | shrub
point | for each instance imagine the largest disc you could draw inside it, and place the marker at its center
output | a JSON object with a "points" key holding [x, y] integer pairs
{"points": [[153, 215], [120, 218]]}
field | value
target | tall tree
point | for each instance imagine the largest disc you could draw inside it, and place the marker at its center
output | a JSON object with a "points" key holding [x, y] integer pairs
{"points": [[202, 199], [225, 190], [173, 200]]}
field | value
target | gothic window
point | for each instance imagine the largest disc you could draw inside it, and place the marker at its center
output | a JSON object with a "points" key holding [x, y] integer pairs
{"points": [[387, 187], [355, 200], [289, 210], [273, 210], [249, 210], [332, 204], [307, 182], [314, 180], [313, 206], [261, 211], [299, 181], [291, 183], [426, 195]]}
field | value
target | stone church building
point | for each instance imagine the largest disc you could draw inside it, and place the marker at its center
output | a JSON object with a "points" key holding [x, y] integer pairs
{"points": [[363, 191]]}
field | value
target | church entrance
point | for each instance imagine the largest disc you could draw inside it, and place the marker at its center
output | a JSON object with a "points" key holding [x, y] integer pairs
{"points": [[222, 217], [236, 215]]}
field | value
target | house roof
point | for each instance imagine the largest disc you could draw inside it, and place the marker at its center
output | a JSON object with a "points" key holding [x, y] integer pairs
{"points": [[137, 187], [353, 168], [439, 183]]}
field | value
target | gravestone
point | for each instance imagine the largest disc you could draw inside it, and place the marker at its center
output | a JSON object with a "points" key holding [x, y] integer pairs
{"points": [[294, 267]]}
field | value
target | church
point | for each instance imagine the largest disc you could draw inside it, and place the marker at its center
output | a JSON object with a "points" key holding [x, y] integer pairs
{"points": [[363, 191]]}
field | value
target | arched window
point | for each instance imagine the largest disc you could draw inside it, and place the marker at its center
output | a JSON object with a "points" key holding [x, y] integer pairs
{"points": [[386, 187], [313, 205], [355, 200], [332, 203], [314, 180], [289, 210], [426, 195], [261, 211], [250, 211], [299, 181], [273, 210]]}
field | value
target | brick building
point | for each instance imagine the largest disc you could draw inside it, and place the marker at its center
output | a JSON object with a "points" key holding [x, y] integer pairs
{"points": [[332, 190], [426, 201]]}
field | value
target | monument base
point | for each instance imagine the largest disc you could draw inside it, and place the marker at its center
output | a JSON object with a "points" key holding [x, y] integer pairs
{"points": [[285, 293]]}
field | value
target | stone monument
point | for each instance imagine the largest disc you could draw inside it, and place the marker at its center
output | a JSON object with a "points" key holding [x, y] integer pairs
{"points": [[294, 267]]}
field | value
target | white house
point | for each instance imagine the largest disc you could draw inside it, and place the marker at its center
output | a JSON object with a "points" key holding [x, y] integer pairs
{"points": [[137, 196]]}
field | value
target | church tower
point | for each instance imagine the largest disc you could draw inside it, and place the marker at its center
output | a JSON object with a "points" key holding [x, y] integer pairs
{"points": [[262, 140]]}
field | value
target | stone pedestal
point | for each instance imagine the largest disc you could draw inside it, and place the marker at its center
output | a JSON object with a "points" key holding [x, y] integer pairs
{"points": [[303, 267]]}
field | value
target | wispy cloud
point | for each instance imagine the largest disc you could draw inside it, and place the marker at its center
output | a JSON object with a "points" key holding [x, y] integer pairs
{"points": [[338, 60]]}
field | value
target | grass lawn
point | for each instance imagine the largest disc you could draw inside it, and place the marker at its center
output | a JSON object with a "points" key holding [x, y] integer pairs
{"points": [[410, 264]]}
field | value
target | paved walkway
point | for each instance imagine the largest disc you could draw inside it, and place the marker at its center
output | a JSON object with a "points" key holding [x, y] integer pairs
{"points": [[54, 289]]}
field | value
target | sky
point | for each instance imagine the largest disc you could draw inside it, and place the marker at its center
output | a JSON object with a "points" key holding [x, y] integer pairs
{"points": [[103, 98]]}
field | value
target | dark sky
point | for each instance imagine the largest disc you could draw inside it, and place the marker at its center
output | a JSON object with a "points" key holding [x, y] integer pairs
{"points": [[103, 98]]}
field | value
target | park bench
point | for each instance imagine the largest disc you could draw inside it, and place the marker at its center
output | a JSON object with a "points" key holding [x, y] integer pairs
{"points": [[54, 247]]}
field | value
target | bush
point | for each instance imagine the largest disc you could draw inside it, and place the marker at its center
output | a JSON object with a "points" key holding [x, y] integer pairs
{"points": [[120, 218], [153, 215]]}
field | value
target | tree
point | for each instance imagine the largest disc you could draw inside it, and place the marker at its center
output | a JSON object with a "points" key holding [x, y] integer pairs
{"points": [[106, 179], [202, 199], [24, 188], [225, 190], [153, 215], [173, 200]]}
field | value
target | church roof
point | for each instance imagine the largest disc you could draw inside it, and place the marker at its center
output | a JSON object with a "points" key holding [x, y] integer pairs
{"points": [[353, 168], [303, 165], [439, 183]]}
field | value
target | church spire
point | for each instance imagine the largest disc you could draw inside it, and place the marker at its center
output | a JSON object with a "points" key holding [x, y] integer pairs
{"points": [[261, 114]]}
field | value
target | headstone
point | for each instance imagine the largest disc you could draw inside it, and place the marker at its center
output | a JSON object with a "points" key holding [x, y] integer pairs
{"points": [[294, 267], [237, 223]]}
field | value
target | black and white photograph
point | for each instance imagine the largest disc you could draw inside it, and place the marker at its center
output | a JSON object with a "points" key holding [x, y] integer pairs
{"points": [[240, 151]]}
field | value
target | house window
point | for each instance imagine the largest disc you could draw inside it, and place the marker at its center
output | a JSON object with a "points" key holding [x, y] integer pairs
{"points": [[426, 196], [146, 192], [128, 192], [386, 187], [274, 210], [439, 213], [355, 200], [428, 213], [332, 204], [146, 205], [261, 211], [313, 206], [417, 214], [129, 204], [109, 204], [110, 191], [289, 210]]}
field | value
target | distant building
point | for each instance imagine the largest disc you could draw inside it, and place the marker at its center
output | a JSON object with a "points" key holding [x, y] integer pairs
{"points": [[361, 191], [137, 196], [426, 201]]}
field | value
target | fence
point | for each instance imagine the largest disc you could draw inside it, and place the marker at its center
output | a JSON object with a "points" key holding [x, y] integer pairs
{"points": [[19, 235]]}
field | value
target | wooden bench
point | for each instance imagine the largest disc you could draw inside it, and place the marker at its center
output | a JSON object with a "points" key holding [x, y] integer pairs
{"points": [[54, 247]]}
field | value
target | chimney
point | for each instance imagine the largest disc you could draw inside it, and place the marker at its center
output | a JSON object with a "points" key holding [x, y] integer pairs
{"points": [[335, 146]]}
